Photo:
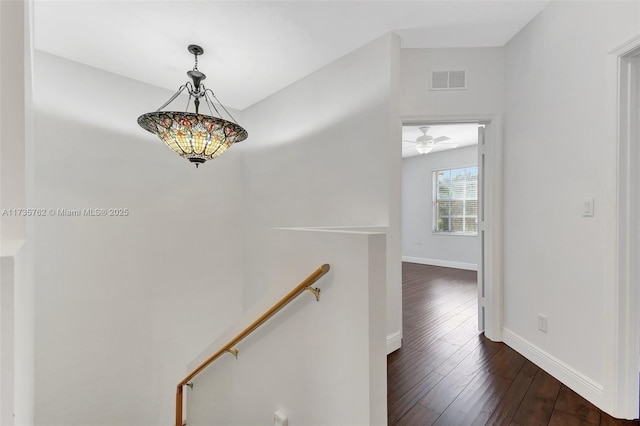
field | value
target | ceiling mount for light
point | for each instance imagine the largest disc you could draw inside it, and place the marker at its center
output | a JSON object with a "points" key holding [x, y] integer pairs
{"points": [[194, 136]]}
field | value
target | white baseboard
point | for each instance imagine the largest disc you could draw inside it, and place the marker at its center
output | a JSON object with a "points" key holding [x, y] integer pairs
{"points": [[394, 342], [438, 262], [578, 382]]}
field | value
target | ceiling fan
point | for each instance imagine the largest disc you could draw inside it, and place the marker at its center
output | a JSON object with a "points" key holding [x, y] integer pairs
{"points": [[424, 144]]}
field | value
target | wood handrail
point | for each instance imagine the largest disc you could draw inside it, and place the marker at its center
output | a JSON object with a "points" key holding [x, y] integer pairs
{"points": [[230, 347]]}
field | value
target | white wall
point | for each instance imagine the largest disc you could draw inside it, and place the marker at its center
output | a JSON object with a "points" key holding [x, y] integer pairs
{"points": [[12, 118], [559, 149], [484, 73], [123, 303], [16, 289], [320, 363], [419, 243], [325, 152]]}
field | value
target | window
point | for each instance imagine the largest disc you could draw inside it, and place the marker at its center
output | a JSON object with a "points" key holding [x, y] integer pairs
{"points": [[455, 201]]}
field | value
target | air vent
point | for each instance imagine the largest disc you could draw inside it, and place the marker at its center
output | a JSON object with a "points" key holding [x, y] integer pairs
{"points": [[448, 80], [439, 80]]}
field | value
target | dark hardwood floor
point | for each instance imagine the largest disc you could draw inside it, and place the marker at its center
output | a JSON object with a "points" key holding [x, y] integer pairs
{"points": [[447, 374]]}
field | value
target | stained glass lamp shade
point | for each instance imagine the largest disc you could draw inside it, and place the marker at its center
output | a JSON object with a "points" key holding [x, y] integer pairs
{"points": [[194, 136]]}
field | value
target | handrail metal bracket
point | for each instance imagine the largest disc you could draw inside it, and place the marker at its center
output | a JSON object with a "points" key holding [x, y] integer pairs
{"points": [[190, 384], [233, 351], [315, 291]]}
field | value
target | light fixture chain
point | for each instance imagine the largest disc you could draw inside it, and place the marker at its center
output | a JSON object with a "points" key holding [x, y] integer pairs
{"points": [[188, 102], [211, 104], [223, 107], [175, 95]]}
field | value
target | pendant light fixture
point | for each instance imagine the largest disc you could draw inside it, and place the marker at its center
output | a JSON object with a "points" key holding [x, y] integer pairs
{"points": [[194, 136]]}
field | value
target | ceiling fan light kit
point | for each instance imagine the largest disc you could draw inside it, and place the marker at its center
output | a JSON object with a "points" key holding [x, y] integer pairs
{"points": [[424, 148], [194, 136], [426, 143]]}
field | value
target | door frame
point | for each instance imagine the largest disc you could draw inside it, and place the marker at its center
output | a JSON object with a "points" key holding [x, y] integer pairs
{"points": [[493, 211], [623, 359]]}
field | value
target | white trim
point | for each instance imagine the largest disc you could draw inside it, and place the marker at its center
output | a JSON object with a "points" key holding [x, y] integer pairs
{"points": [[9, 248], [409, 120], [589, 389], [394, 342], [492, 226], [626, 47], [438, 262], [481, 241], [622, 357], [454, 234]]}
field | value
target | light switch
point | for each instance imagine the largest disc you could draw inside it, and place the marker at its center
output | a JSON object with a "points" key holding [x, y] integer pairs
{"points": [[587, 207]]}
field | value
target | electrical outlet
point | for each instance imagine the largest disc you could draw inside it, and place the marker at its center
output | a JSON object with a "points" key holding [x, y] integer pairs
{"points": [[542, 323]]}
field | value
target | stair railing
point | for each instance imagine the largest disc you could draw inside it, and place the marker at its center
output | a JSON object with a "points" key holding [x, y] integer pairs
{"points": [[231, 346]]}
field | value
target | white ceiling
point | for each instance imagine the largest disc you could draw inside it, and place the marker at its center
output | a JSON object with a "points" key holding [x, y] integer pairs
{"points": [[255, 48], [460, 135]]}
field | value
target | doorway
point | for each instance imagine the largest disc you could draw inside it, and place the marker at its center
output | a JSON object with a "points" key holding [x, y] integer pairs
{"points": [[449, 198]]}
